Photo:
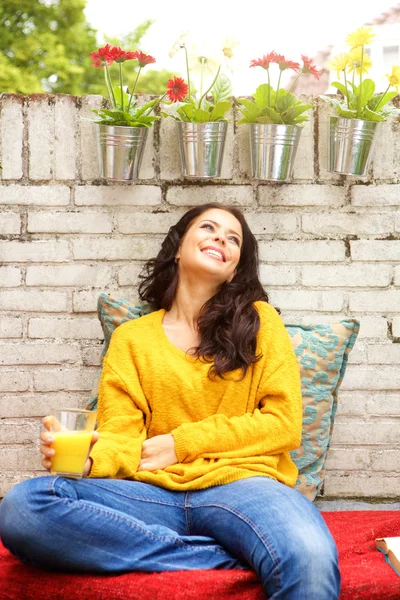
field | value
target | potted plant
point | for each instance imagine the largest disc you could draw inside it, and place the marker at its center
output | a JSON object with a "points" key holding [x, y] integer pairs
{"points": [[201, 118], [359, 110], [275, 117], [123, 127]]}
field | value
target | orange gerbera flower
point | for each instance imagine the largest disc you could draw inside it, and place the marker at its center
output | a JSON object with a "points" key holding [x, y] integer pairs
{"points": [[265, 61], [284, 64], [144, 59], [308, 67], [177, 89]]}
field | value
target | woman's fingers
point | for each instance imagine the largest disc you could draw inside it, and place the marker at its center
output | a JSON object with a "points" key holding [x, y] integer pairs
{"points": [[46, 462], [47, 450]]}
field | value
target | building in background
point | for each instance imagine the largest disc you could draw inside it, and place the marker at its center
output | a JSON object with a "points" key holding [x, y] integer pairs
{"points": [[384, 52]]}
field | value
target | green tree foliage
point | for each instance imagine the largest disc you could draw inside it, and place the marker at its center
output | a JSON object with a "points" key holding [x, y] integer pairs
{"points": [[45, 46]]}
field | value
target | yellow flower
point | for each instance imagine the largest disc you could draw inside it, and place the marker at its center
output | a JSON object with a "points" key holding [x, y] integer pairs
{"points": [[361, 37], [394, 78], [339, 62], [180, 42], [228, 45], [355, 61]]}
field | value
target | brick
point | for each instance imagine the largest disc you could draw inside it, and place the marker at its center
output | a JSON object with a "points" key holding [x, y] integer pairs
{"points": [[10, 277], [346, 224], [386, 460], [170, 164], [11, 136], [383, 158], [307, 300], [397, 223], [132, 248], [375, 195], [129, 275], [64, 379], [10, 223], [358, 355], [10, 327], [396, 326], [70, 329], [65, 137], [351, 459], [20, 457], [352, 404], [349, 275], [147, 222], [372, 327], [29, 301], [37, 251], [386, 354], [385, 403], [230, 194], [376, 301], [88, 139], [69, 222], [38, 405], [243, 170], [304, 162], [40, 136], [324, 112], [370, 378], [92, 355], [271, 223], [375, 250], [15, 432], [133, 195], [301, 195], [39, 195], [68, 276], [397, 275], [305, 251], [278, 275], [15, 380], [14, 353], [365, 433], [296, 317], [84, 301], [363, 486]]}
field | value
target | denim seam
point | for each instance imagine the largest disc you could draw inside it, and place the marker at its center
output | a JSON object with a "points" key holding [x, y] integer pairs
{"points": [[256, 530], [133, 497]]}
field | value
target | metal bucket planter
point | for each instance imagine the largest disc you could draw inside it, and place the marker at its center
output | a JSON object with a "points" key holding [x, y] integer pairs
{"points": [[350, 145], [201, 147], [273, 150], [121, 151]]}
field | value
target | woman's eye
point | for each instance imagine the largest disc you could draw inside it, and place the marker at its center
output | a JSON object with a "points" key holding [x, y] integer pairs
{"points": [[235, 240], [207, 225]]}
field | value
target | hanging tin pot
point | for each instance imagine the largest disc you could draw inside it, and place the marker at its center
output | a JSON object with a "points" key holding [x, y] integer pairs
{"points": [[273, 150], [350, 145], [201, 147], [121, 151]]}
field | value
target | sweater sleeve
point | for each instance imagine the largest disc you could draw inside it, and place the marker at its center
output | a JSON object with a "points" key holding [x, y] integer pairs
{"points": [[121, 421], [273, 428]]}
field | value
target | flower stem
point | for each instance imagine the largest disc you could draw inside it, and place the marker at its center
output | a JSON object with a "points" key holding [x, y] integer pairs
{"points": [[295, 81], [277, 89], [383, 95], [201, 80], [359, 89], [206, 92], [107, 78], [121, 85], [187, 69], [134, 87], [269, 90], [345, 85]]}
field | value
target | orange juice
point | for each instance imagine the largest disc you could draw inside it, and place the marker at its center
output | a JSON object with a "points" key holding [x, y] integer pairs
{"points": [[71, 448]]}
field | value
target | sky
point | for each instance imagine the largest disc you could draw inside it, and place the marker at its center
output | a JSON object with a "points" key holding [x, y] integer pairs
{"points": [[289, 27]]}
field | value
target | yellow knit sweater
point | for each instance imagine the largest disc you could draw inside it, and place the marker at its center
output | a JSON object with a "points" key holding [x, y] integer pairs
{"points": [[224, 430]]}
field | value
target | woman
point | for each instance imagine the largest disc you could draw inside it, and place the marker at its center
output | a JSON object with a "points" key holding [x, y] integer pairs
{"points": [[199, 407]]}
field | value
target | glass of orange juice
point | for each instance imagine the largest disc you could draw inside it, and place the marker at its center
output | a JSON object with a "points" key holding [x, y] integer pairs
{"points": [[72, 431]]}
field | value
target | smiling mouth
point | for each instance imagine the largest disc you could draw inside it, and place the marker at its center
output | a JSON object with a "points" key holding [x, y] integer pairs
{"points": [[214, 254]]}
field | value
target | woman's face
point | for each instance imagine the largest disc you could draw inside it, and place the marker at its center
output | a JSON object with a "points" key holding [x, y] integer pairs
{"points": [[211, 246]]}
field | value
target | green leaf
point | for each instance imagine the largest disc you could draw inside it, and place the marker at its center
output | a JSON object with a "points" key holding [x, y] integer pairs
{"points": [[219, 111], [222, 88], [200, 116], [293, 112], [186, 112], [265, 120], [119, 94], [285, 101], [261, 95], [366, 91], [381, 100], [370, 115], [346, 113], [341, 87], [272, 114], [251, 112]]}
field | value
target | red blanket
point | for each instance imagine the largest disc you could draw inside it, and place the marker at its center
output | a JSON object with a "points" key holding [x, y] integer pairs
{"points": [[365, 575]]}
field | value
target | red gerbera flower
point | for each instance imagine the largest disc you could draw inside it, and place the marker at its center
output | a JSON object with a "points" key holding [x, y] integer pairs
{"points": [[265, 61], [177, 89], [284, 64], [144, 59], [118, 55], [308, 67], [102, 57]]}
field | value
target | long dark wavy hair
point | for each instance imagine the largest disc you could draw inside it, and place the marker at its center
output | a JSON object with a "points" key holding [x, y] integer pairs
{"points": [[228, 322]]}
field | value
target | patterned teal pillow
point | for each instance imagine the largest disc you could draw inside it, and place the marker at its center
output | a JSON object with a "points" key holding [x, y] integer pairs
{"points": [[322, 352]]}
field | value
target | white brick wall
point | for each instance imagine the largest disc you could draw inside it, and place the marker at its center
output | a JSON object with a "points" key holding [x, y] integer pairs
{"points": [[329, 247]]}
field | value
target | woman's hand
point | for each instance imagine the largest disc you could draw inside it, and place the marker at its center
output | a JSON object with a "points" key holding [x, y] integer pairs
{"points": [[158, 452], [47, 439]]}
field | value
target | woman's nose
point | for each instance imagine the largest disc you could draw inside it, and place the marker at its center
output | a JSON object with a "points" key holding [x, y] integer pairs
{"points": [[219, 237]]}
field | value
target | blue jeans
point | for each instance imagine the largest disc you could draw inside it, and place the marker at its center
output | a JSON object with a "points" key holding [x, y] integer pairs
{"points": [[115, 526]]}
